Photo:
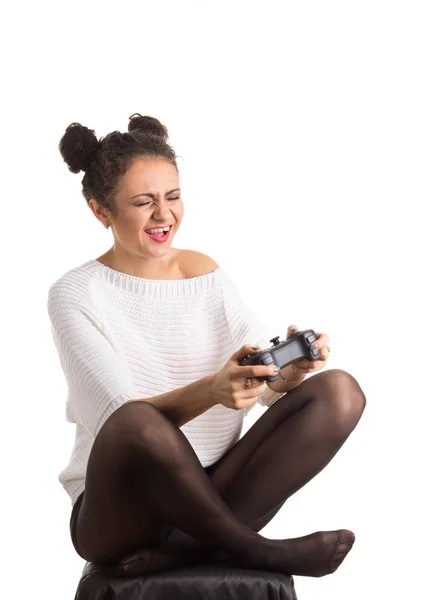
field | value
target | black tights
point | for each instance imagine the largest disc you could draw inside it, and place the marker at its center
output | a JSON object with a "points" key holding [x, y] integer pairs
{"points": [[143, 476]]}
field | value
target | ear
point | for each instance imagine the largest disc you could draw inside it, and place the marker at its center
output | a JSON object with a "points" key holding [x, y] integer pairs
{"points": [[98, 211]]}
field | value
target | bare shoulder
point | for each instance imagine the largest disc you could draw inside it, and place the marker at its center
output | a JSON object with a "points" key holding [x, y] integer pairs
{"points": [[194, 263]]}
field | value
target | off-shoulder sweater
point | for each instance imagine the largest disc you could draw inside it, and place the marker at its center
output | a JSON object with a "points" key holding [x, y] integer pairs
{"points": [[120, 337]]}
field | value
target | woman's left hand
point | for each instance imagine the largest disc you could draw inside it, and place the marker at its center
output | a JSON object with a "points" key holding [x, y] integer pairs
{"points": [[306, 366]]}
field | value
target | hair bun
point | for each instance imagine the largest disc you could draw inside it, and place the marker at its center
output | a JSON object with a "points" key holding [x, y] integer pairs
{"points": [[77, 147], [147, 125]]}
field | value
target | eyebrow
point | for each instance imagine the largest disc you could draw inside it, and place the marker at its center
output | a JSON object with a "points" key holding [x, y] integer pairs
{"points": [[153, 195]]}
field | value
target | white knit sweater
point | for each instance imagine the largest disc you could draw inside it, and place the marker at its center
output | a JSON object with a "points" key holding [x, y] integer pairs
{"points": [[121, 337]]}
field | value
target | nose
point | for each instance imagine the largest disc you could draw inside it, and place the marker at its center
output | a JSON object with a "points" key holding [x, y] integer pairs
{"points": [[161, 212]]}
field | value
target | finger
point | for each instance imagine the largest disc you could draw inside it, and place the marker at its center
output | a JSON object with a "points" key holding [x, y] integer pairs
{"points": [[261, 371], [291, 330], [256, 371], [253, 383], [323, 350], [247, 393], [321, 344], [243, 352], [324, 353], [322, 340]]}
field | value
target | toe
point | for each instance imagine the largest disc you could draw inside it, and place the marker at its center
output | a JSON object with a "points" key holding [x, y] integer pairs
{"points": [[345, 542], [344, 536]]}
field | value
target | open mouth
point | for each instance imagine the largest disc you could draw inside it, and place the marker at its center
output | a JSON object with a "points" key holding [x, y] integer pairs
{"points": [[160, 236]]}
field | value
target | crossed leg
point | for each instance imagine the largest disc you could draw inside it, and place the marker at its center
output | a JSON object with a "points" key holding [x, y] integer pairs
{"points": [[287, 446], [294, 440]]}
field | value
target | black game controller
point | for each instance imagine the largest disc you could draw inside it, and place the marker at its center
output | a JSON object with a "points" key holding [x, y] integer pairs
{"points": [[285, 353]]}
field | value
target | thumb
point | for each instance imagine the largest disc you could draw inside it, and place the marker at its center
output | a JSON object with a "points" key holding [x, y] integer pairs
{"points": [[291, 330]]}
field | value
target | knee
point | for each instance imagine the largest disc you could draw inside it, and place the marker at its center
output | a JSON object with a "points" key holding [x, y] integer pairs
{"points": [[344, 399], [132, 422]]}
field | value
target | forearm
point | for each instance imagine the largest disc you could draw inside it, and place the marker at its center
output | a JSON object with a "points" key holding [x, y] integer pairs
{"points": [[185, 403]]}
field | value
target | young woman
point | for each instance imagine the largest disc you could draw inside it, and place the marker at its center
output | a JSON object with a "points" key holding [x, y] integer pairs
{"points": [[150, 338]]}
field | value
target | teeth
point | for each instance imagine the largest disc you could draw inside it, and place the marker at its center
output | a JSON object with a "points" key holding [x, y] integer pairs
{"points": [[157, 229]]}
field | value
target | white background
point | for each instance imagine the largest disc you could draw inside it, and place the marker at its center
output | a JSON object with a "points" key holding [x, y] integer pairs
{"points": [[299, 130]]}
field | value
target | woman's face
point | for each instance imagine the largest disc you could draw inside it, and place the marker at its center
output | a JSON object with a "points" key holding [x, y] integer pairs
{"points": [[136, 211]]}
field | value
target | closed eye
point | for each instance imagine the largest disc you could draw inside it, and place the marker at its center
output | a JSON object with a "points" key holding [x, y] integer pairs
{"points": [[144, 203]]}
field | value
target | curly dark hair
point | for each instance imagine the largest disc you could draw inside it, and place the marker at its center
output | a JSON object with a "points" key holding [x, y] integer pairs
{"points": [[105, 160]]}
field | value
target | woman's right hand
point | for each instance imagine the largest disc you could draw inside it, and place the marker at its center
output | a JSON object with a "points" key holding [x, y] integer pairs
{"points": [[227, 385]]}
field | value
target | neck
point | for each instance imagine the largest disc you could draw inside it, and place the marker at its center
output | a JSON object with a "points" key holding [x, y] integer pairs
{"points": [[162, 267]]}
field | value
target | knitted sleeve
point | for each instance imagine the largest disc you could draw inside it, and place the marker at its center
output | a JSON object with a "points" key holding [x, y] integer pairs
{"points": [[98, 378], [244, 325]]}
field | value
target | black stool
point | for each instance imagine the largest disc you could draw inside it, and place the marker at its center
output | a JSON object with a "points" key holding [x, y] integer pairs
{"points": [[202, 582]]}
